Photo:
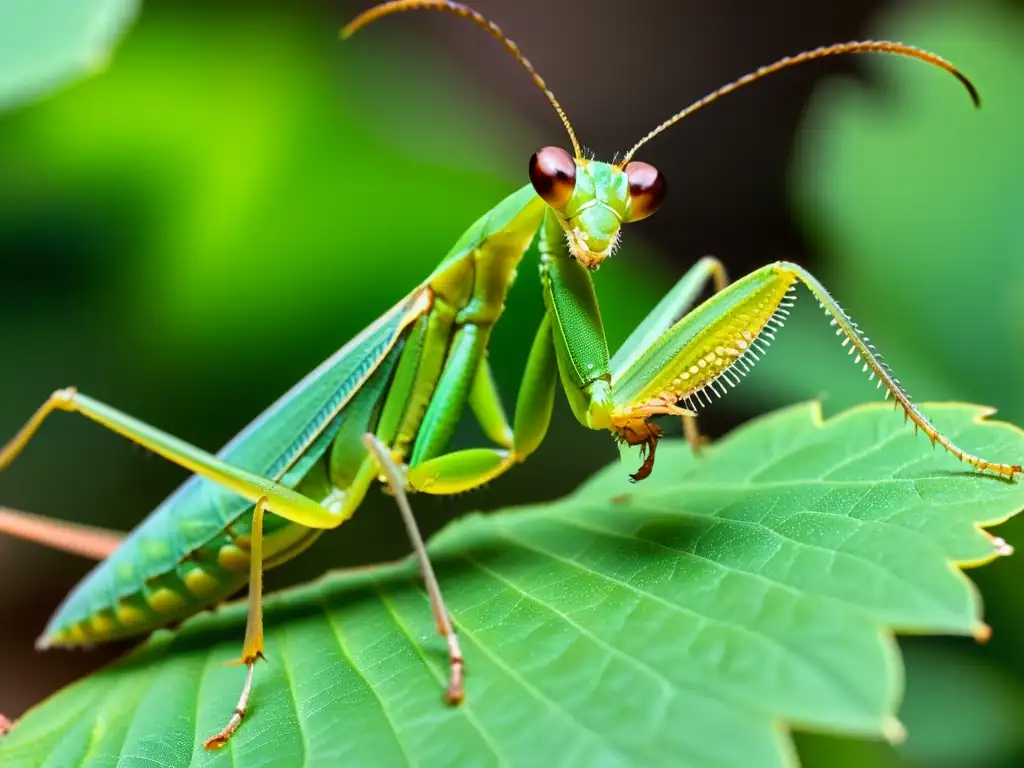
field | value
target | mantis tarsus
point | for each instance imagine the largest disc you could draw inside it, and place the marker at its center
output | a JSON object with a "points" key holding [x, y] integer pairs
{"points": [[386, 404]]}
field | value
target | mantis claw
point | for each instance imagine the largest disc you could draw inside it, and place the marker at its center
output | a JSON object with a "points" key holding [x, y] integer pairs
{"points": [[648, 444], [645, 469], [220, 739]]}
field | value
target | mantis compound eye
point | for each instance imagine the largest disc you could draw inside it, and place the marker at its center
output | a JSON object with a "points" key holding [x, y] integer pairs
{"points": [[553, 175], [646, 189]]}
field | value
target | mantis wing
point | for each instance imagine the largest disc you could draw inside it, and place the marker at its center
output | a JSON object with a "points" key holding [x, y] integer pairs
{"points": [[281, 444]]}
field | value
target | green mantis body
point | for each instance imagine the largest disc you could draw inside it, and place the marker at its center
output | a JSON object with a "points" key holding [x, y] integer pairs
{"points": [[408, 378]]}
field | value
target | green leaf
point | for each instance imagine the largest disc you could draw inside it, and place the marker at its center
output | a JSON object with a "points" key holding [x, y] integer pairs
{"points": [[693, 618], [45, 43]]}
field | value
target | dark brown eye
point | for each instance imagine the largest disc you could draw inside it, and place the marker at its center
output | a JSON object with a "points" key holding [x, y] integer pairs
{"points": [[646, 188], [553, 174]]}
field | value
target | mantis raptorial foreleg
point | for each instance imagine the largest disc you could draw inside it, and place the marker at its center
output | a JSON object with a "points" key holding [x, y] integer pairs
{"points": [[454, 693], [252, 647], [676, 303], [718, 342]]}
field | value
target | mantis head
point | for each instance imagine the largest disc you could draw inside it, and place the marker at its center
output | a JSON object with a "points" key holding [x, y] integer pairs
{"points": [[592, 200]]}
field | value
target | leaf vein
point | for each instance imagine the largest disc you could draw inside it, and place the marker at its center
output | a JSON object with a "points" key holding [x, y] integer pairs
{"points": [[817, 663], [464, 708], [532, 690], [347, 654], [300, 718]]}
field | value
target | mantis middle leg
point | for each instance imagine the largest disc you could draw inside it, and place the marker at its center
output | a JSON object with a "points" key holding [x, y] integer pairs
{"points": [[252, 647]]}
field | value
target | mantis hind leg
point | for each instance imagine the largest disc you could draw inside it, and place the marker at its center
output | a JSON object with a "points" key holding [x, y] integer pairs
{"points": [[281, 500], [84, 540], [464, 470], [252, 647]]}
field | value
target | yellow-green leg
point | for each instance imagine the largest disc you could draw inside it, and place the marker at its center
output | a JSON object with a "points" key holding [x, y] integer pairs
{"points": [[281, 500], [252, 647], [464, 470], [707, 351], [670, 310]]}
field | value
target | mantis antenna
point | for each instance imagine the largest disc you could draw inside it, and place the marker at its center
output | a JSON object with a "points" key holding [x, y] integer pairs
{"points": [[866, 46], [396, 6]]}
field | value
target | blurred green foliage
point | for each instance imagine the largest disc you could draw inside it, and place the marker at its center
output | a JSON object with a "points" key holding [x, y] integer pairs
{"points": [[916, 198], [44, 43]]}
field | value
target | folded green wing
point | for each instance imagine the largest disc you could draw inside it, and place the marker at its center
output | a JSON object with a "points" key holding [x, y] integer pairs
{"points": [[290, 434]]}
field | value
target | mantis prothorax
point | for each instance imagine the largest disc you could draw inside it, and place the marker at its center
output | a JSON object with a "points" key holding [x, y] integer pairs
{"points": [[386, 404]]}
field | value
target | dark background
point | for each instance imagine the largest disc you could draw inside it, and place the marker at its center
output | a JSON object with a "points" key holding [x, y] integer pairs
{"points": [[187, 234]]}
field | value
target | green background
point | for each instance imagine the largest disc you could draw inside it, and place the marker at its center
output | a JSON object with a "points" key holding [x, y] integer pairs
{"points": [[189, 231]]}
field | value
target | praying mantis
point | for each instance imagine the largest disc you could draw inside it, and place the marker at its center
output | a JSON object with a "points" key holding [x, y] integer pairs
{"points": [[384, 407]]}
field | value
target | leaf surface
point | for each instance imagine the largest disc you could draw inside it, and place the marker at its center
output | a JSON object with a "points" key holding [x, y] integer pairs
{"points": [[693, 618]]}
